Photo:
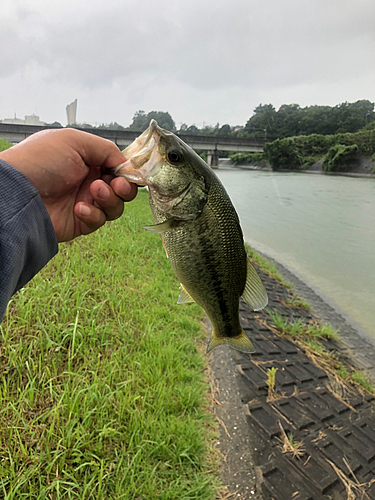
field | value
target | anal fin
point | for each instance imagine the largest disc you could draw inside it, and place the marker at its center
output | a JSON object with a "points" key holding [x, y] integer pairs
{"points": [[184, 296]]}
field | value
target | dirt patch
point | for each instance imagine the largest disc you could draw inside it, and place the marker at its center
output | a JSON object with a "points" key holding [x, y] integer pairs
{"points": [[238, 472]]}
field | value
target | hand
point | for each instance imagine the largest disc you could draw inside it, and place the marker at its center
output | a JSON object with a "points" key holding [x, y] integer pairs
{"points": [[68, 168]]}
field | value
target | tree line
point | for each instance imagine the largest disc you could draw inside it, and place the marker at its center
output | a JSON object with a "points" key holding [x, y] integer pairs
{"points": [[291, 120], [266, 123]]}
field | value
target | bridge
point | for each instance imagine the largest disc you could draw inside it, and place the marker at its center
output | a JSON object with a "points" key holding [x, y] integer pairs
{"points": [[211, 144]]}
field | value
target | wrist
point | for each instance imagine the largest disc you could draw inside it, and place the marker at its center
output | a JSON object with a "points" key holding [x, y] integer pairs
{"points": [[14, 159]]}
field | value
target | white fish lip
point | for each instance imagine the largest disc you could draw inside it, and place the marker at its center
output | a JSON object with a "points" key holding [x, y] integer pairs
{"points": [[143, 157]]}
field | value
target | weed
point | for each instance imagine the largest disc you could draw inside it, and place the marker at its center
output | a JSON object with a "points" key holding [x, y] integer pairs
{"points": [[315, 346], [342, 371], [308, 335], [271, 380], [289, 445], [325, 331], [267, 267], [298, 303], [283, 325], [299, 329], [360, 378]]}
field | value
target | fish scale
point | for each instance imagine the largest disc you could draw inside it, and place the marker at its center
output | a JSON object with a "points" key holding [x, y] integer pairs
{"points": [[197, 249]]}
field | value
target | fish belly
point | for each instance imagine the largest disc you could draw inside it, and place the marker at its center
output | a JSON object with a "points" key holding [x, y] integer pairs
{"points": [[208, 257]]}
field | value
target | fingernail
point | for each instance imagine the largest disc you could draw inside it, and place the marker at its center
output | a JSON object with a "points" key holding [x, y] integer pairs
{"points": [[103, 192], [84, 210]]}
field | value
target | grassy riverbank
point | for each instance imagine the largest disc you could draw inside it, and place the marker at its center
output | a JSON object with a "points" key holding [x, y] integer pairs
{"points": [[102, 392]]}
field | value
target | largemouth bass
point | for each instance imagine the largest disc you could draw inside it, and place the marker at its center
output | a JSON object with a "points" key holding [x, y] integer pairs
{"points": [[200, 230]]}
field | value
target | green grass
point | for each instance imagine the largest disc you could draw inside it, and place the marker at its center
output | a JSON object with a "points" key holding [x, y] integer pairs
{"points": [[299, 329], [360, 378], [356, 377], [4, 144], [102, 388], [298, 303], [314, 346], [267, 267], [308, 336]]}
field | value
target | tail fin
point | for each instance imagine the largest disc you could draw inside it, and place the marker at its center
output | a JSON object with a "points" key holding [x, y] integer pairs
{"points": [[241, 342]]}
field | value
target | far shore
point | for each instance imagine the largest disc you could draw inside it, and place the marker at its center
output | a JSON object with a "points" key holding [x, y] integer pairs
{"points": [[361, 166]]}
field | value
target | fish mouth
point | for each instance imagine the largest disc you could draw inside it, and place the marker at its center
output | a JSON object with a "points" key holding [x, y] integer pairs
{"points": [[142, 156]]}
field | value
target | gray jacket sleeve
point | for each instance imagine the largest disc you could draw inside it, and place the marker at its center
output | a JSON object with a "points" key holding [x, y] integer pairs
{"points": [[27, 237]]}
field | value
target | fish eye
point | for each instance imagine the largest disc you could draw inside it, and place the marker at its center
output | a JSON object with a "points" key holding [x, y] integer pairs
{"points": [[174, 156]]}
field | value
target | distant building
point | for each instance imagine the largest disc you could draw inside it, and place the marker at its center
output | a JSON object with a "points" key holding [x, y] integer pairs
{"points": [[29, 120], [71, 112], [33, 120]]}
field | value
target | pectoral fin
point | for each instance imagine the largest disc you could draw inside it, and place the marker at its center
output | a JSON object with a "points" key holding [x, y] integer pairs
{"points": [[163, 226], [186, 217], [254, 294], [184, 296], [241, 342]]}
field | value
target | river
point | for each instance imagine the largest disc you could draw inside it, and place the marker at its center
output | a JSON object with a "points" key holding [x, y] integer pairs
{"points": [[320, 227]]}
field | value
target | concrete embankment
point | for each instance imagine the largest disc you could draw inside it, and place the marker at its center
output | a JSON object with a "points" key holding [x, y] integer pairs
{"points": [[313, 436]]}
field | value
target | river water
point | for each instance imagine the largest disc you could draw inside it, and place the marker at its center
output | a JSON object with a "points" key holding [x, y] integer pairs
{"points": [[320, 227]]}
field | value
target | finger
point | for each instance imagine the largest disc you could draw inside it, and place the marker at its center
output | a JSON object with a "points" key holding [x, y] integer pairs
{"points": [[123, 188], [107, 178], [95, 150], [107, 200], [92, 218]]}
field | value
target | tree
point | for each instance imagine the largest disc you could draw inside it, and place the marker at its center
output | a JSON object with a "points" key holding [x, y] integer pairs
{"points": [[292, 120], [141, 120], [224, 131], [317, 120], [53, 125], [288, 120], [350, 117], [183, 128], [192, 130], [111, 126], [261, 124]]}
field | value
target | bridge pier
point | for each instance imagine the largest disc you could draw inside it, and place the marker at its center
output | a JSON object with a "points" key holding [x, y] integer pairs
{"points": [[213, 158]]}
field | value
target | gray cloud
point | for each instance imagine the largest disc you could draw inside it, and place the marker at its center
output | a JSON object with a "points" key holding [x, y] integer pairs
{"points": [[207, 50]]}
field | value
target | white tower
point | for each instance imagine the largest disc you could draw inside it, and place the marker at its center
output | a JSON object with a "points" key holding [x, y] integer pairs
{"points": [[71, 112]]}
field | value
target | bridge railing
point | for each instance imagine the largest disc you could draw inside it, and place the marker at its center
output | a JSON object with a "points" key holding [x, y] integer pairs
{"points": [[212, 144]]}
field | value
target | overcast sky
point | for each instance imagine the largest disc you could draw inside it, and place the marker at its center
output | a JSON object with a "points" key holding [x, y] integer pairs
{"points": [[203, 61]]}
